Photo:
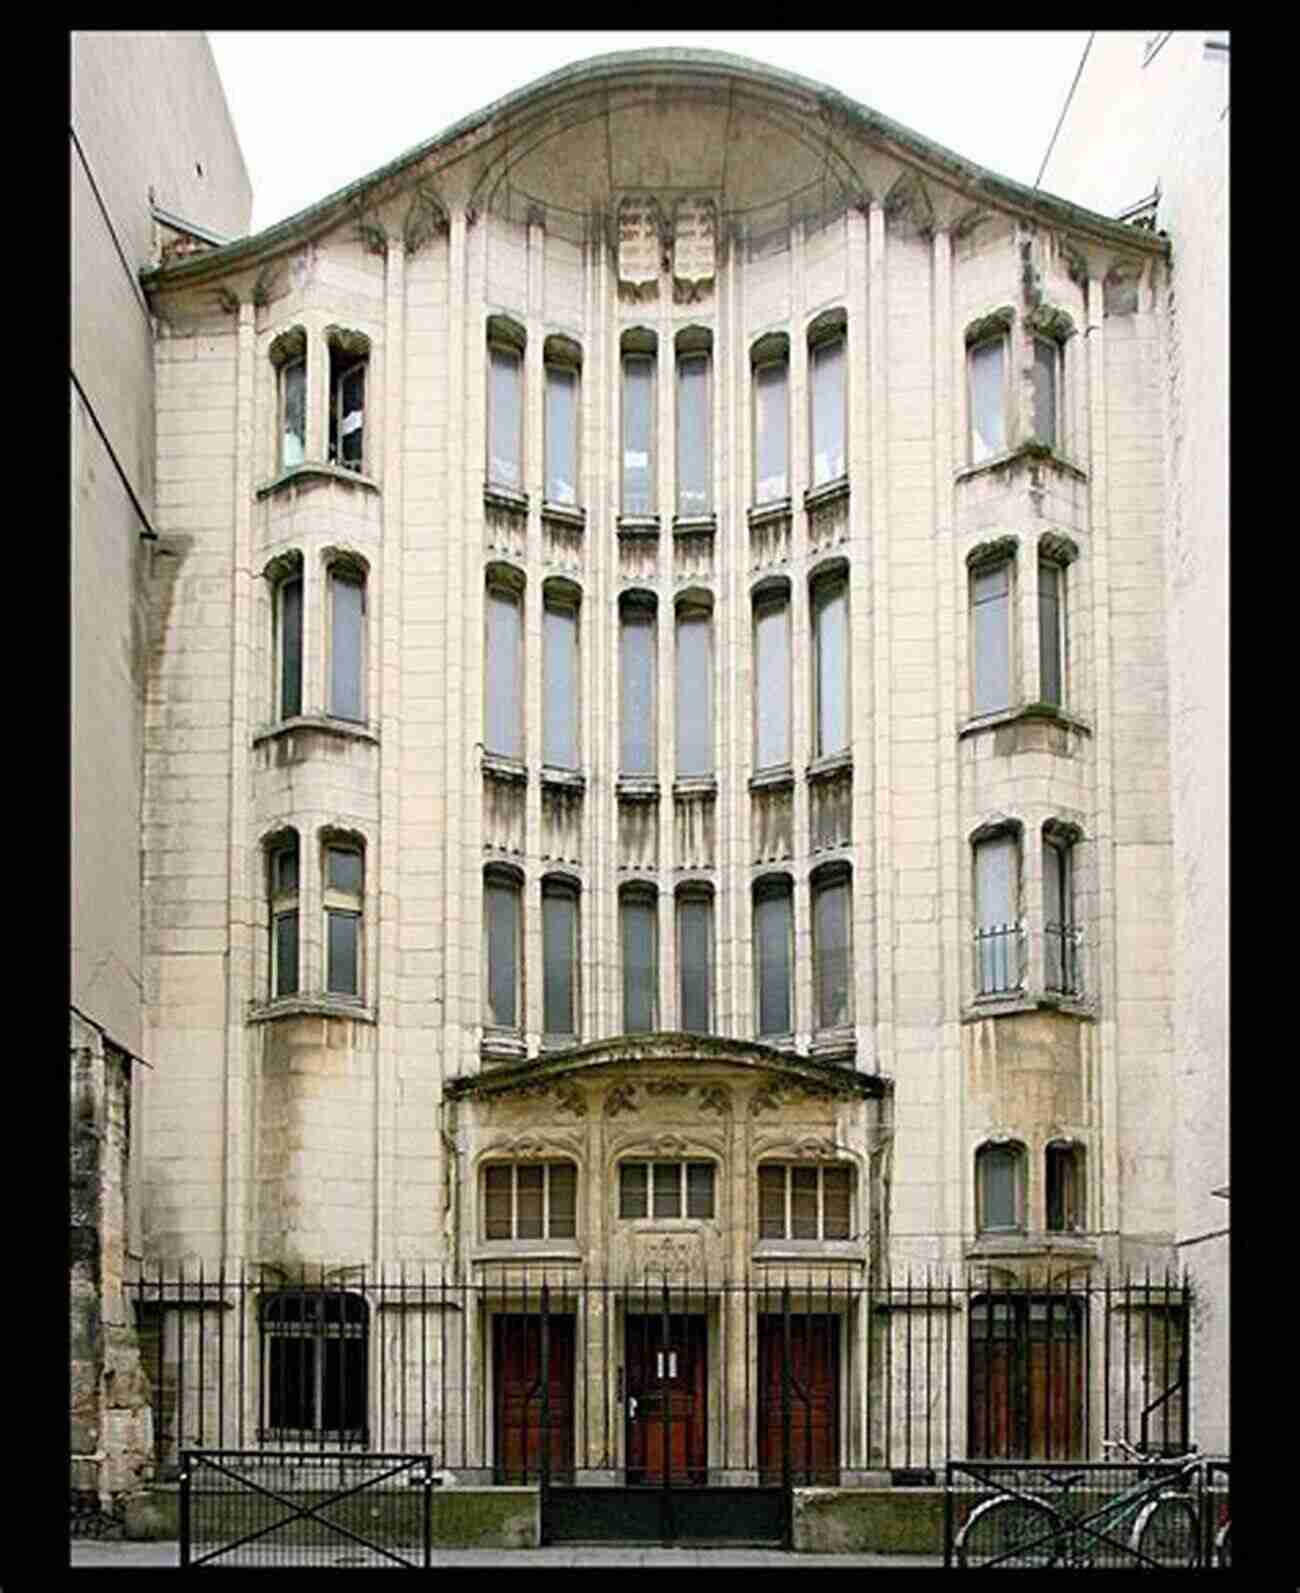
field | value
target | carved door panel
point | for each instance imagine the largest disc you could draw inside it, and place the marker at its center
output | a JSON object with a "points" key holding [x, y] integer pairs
{"points": [[519, 1413], [666, 1380], [814, 1398]]}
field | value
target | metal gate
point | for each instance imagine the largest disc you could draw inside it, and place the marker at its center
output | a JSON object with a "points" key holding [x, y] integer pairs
{"points": [[254, 1507]]}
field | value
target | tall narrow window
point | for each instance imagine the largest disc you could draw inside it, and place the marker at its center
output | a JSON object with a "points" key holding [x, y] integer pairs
{"points": [[282, 862], [832, 965], [505, 418], [1051, 632], [530, 1200], [560, 681], [561, 435], [289, 605], [638, 434], [831, 664], [991, 636], [347, 649], [293, 412], [343, 906], [999, 1187], [559, 959], [637, 688], [695, 962], [694, 690], [316, 1345], [774, 957], [772, 680], [694, 488], [1061, 953], [771, 432], [827, 375], [988, 417], [347, 409], [997, 930], [1064, 1188], [501, 933], [639, 920], [1047, 367], [504, 730]]}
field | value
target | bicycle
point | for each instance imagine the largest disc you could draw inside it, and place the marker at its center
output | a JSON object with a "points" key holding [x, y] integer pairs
{"points": [[1022, 1531]]}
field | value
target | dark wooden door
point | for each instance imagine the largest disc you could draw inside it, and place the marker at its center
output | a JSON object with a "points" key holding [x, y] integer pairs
{"points": [[1026, 1379], [814, 1398], [667, 1400], [517, 1363]]}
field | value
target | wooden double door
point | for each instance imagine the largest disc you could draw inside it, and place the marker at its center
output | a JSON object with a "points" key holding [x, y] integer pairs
{"points": [[666, 1404], [528, 1424], [814, 1398]]}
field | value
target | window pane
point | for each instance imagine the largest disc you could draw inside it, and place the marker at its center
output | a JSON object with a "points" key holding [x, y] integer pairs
{"points": [[504, 721], [639, 922], [1045, 360], [695, 955], [638, 479], [284, 871], [997, 942], [667, 1189], [529, 1178], [286, 953], [504, 448], [694, 695], [638, 694], [563, 1198], [831, 949], [344, 870], [771, 442], [633, 1186], [991, 615], [341, 976], [559, 925], [999, 1170], [293, 443], [502, 906], [693, 493], [345, 647], [496, 1202], [1049, 633], [347, 413], [987, 405], [1056, 916], [290, 648], [1053, 897], [773, 922], [803, 1203], [561, 435], [699, 1189], [828, 412], [1060, 1204], [560, 671], [837, 1203], [771, 1202], [292, 1378], [772, 690], [831, 610]]}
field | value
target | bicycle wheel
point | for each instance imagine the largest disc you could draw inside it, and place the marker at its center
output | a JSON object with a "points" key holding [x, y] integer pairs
{"points": [[1223, 1546], [1009, 1532], [1168, 1531]]}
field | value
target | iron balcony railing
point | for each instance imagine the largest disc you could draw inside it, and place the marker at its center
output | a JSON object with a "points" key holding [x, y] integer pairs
{"points": [[1062, 972], [999, 959]]}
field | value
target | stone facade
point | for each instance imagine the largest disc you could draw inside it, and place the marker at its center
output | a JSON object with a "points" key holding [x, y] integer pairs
{"points": [[713, 219]]}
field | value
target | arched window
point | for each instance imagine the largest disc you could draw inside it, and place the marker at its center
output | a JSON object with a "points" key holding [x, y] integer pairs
{"points": [[695, 959], [999, 961], [563, 363], [503, 730], [639, 930], [826, 367], [832, 947], [347, 640], [774, 955], [344, 895], [770, 357], [796, 1201], [638, 351], [289, 357], [505, 463], [502, 948], [694, 686], [282, 893], [288, 641], [349, 361], [560, 959], [772, 675], [637, 698], [1000, 1188]]}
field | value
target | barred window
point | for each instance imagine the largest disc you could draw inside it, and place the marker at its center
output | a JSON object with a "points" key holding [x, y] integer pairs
{"points": [[804, 1202], [530, 1200], [315, 1358], [666, 1189], [1060, 935], [997, 915]]}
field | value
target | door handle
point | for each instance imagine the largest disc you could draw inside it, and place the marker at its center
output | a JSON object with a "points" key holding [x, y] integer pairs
{"points": [[631, 1407]]}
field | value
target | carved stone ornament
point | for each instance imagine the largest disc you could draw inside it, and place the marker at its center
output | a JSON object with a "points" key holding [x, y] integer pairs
{"points": [[426, 218], [525, 1146], [638, 241], [667, 1087], [769, 1099], [670, 1145], [715, 1098], [569, 1098], [668, 1255], [695, 229], [622, 1098], [817, 1150]]}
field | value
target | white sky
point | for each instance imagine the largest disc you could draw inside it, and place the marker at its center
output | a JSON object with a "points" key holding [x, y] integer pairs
{"points": [[315, 111]]}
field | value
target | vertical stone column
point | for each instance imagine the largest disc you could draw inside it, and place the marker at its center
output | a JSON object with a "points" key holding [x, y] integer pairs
{"points": [[386, 617], [1102, 963], [882, 719], [241, 912]]}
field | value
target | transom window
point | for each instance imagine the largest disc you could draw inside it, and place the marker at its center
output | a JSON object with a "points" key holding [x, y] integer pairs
{"points": [[804, 1202], [666, 1189], [530, 1200]]}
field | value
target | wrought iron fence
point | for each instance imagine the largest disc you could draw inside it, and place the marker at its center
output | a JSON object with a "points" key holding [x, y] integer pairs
{"points": [[999, 959], [662, 1374]]}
